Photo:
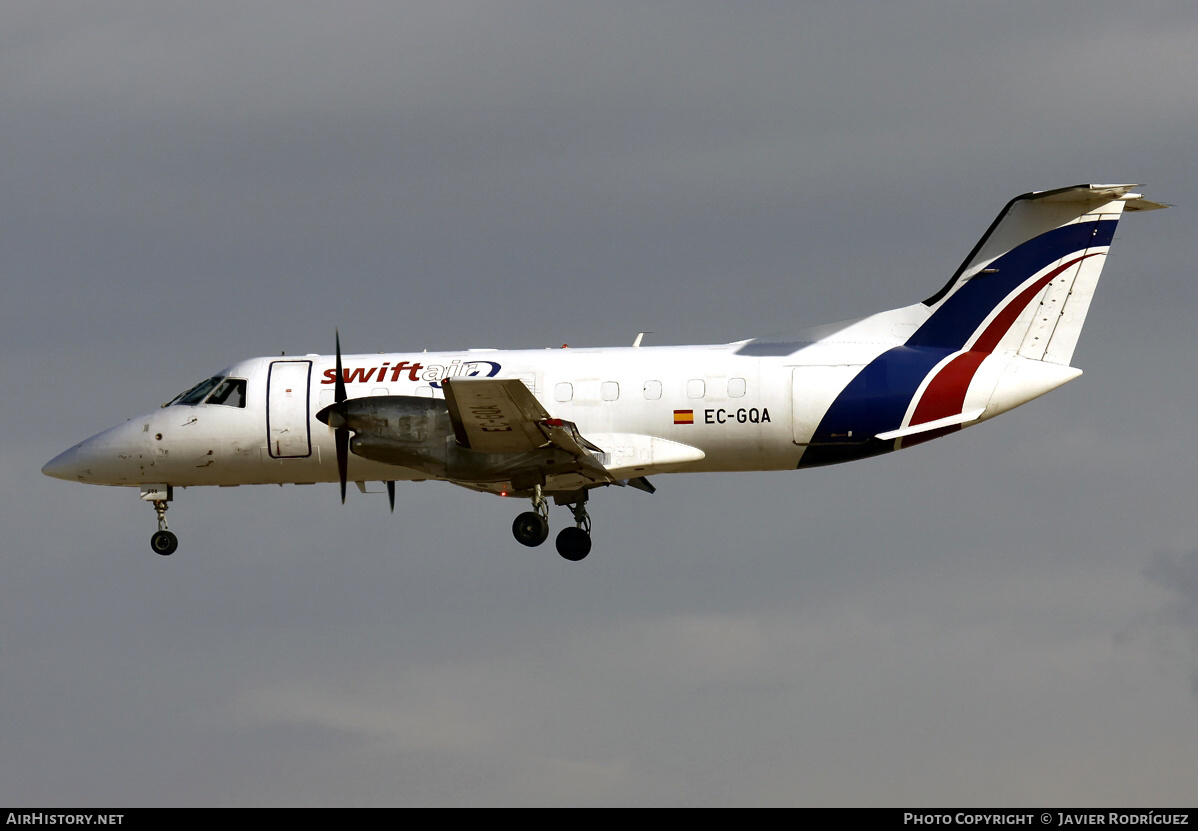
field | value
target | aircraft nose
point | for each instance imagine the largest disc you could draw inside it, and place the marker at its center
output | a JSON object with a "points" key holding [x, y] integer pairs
{"points": [[64, 466], [118, 456]]}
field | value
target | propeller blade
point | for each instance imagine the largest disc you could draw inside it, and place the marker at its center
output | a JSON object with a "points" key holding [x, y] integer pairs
{"points": [[339, 394], [342, 437], [342, 434], [391, 495]]}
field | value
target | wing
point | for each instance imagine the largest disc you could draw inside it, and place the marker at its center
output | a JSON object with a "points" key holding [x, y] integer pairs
{"points": [[500, 415], [495, 415]]}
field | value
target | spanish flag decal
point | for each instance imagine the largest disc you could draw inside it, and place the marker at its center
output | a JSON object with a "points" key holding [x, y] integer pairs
{"points": [[684, 416]]}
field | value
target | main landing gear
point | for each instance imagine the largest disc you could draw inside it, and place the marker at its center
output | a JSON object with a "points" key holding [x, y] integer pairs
{"points": [[575, 543], [531, 528]]}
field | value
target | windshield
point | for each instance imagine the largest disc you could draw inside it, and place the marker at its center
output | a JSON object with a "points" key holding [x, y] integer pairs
{"points": [[229, 392], [196, 394]]}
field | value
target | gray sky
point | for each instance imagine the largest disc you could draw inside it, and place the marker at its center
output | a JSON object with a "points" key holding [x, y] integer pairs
{"points": [[1006, 617]]}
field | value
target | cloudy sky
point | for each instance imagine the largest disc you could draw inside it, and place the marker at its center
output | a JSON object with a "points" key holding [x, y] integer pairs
{"points": [[1006, 617]]}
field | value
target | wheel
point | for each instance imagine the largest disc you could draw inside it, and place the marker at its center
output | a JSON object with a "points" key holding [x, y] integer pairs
{"points": [[164, 543], [530, 529], [573, 543]]}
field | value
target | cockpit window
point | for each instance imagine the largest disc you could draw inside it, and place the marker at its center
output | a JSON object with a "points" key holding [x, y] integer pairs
{"points": [[231, 393], [196, 394]]}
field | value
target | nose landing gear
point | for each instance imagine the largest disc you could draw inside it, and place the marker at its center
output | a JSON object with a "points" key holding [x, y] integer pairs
{"points": [[163, 542]]}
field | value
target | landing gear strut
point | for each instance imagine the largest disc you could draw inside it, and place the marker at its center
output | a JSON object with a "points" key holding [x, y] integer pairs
{"points": [[163, 542], [575, 543], [531, 528]]}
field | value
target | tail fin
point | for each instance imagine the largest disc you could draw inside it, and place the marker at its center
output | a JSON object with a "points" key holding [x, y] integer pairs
{"points": [[1026, 286]]}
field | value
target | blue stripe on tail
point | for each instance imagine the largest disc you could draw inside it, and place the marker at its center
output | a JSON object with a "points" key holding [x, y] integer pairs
{"points": [[876, 400], [963, 313]]}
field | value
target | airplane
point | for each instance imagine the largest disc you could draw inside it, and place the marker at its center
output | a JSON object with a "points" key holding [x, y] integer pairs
{"points": [[555, 424]]}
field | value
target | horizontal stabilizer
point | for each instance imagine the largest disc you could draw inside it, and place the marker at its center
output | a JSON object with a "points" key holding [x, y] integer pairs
{"points": [[1097, 193]]}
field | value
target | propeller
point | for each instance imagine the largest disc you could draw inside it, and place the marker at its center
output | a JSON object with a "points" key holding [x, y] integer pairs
{"points": [[337, 417], [334, 415]]}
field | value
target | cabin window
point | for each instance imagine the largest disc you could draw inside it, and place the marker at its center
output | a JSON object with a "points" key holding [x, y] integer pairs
{"points": [[609, 391], [563, 392], [652, 390], [695, 388], [736, 387], [231, 393]]}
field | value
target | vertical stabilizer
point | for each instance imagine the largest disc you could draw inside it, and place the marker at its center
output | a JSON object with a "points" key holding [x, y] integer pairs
{"points": [[1026, 286], [1000, 333]]}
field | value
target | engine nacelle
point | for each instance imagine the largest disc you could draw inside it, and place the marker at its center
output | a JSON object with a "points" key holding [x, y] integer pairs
{"points": [[397, 429]]}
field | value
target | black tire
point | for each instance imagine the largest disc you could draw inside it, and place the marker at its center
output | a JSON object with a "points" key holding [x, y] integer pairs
{"points": [[164, 543], [530, 529], [574, 544]]}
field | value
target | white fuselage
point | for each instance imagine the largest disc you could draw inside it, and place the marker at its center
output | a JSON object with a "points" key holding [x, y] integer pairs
{"points": [[708, 408], [653, 410]]}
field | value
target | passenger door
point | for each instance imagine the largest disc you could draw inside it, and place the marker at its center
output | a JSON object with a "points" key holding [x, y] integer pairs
{"points": [[287, 416]]}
